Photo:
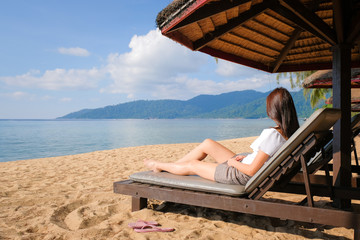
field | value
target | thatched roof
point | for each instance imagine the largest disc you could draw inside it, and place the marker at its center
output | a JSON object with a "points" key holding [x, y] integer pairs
{"points": [[271, 35], [323, 79], [355, 108], [173, 9], [355, 97]]}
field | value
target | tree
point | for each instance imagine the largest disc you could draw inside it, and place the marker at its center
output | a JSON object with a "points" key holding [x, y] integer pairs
{"points": [[316, 94]]}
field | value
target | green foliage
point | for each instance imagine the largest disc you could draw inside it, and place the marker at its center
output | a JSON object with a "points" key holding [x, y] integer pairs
{"points": [[242, 104], [317, 95]]}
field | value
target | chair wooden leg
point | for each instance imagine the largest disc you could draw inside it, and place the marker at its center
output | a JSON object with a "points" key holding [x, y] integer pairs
{"points": [[355, 153], [307, 182], [356, 234], [138, 203]]}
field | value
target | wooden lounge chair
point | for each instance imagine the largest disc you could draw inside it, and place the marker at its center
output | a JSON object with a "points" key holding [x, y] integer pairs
{"points": [[313, 135]]}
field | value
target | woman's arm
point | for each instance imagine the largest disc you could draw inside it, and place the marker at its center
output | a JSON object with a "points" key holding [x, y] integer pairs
{"points": [[250, 169]]}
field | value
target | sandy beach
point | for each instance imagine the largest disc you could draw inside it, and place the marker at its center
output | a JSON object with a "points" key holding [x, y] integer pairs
{"points": [[71, 197]]}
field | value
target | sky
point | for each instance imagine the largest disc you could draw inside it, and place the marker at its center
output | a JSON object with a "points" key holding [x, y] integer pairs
{"points": [[61, 56]]}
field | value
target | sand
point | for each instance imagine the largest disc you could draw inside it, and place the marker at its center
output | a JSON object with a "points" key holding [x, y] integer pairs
{"points": [[71, 197]]}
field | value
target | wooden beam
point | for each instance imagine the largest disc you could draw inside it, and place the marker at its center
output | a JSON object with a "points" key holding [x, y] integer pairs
{"points": [[347, 29], [180, 38], [338, 18], [311, 66], [304, 67], [342, 129], [325, 53], [311, 19], [319, 190], [290, 43], [314, 179], [298, 21], [355, 31], [234, 58], [207, 11], [237, 204], [303, 61], [233, 23]]}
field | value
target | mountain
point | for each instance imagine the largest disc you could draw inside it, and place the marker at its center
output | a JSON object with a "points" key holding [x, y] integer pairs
{"points": [[239, 104]]}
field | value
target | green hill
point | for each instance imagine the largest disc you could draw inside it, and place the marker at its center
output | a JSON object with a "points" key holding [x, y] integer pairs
{"points": [[239, 104]]}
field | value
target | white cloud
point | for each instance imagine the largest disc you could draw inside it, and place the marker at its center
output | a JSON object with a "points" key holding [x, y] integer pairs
{"points": [[190, 87], [76, 51], [157, 68], [153, 62], [57, 79], [154, 68]]}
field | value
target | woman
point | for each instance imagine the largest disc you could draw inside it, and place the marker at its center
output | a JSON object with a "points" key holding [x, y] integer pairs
{"points": [[238, 169]]}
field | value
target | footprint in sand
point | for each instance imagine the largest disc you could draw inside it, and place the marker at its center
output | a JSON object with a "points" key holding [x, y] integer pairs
{"points": [[83, 214]]}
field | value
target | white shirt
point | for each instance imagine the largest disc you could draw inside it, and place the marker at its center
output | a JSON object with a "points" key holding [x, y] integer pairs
{"points": [[269, 141]]}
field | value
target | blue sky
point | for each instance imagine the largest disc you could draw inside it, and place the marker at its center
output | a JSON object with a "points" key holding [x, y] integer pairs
{"points": [[61, 56]]}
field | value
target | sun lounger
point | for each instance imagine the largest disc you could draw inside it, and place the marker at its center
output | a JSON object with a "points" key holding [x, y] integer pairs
{"points": [[321, 121], [286, 163]]}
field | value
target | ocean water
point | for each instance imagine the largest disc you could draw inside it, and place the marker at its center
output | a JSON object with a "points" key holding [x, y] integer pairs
{"points": [[28, 139]]}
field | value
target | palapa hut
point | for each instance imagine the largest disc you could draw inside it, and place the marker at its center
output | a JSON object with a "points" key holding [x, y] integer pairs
{"points": [[323, 79], [279, 36], [271, 35]]}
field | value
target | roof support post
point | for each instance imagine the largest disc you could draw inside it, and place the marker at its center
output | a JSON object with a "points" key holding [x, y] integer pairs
{"points": [[342, 129]]}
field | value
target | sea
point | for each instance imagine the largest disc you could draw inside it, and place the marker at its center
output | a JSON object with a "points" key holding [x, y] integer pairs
{"points": [[29, 139]]}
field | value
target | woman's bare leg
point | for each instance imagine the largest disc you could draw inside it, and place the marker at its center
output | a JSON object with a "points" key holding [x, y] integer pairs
{"points": [[195, 167], [208, 147], [191, 163]]}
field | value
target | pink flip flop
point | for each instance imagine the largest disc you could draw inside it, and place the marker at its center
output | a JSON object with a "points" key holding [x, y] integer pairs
{"points": [[152, 228], [141, 224]]}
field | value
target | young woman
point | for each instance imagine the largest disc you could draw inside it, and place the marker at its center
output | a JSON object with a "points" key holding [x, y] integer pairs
{"points": [[237, 169]]}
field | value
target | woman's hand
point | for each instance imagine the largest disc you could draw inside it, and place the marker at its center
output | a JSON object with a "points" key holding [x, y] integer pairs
{"points": [[239, 157], [232, 162]]}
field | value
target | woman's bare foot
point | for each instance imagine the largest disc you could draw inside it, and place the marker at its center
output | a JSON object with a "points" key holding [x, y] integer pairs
{"points": [[152, 165]]}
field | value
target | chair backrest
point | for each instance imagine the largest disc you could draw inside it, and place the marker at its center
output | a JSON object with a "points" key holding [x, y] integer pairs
{"points": [[320, 120], [355, 124], [325, 155]]}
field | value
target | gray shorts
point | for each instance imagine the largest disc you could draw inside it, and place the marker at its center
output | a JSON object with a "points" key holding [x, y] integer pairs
{"points": [[230, 175]]}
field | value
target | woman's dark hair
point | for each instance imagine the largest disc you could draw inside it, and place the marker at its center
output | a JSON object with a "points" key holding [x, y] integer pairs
{"points": [[280, 108]]}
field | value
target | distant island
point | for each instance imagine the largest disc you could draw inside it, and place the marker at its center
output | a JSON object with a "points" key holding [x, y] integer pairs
{"points": [[238, 104]]}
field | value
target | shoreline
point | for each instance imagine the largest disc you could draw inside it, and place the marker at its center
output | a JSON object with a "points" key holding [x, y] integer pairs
{"points": [[71, 197]]}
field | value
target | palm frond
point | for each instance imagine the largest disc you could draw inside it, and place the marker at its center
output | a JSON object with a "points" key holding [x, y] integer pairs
{"points": [[316, 95]]}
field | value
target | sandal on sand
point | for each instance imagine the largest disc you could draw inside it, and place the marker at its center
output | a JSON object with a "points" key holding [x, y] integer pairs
{"points": [[152, 228], [141, 224]]}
